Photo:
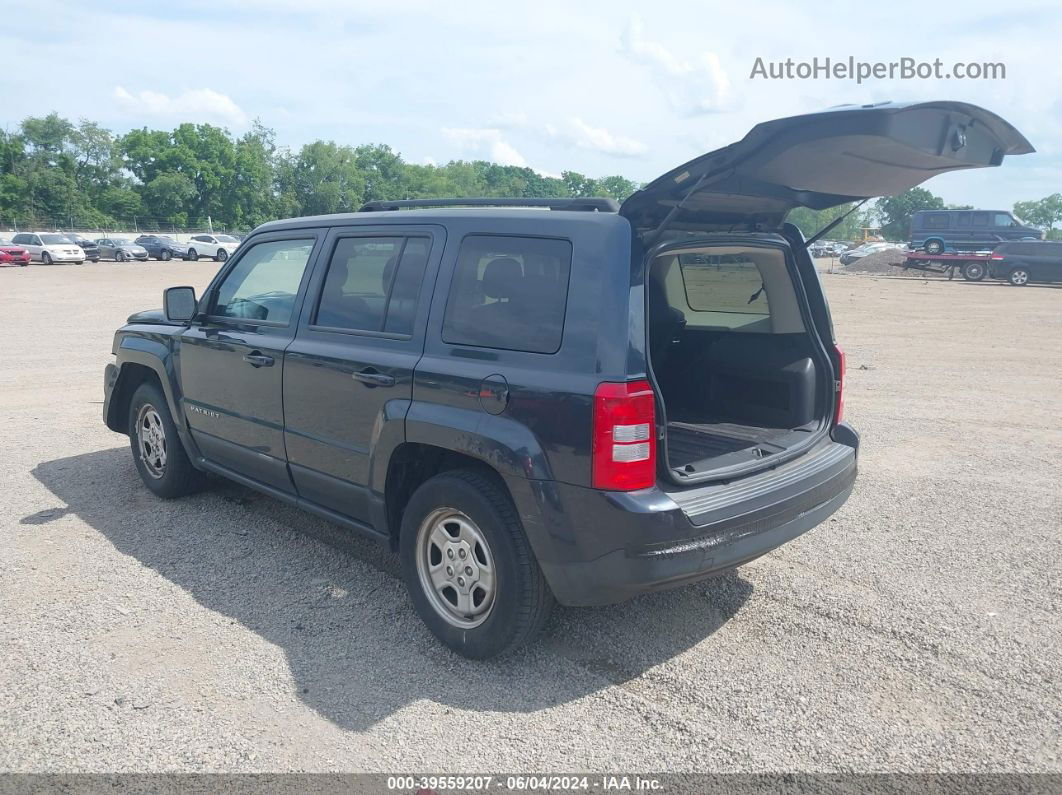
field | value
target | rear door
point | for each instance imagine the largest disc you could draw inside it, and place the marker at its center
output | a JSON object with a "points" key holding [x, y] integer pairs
{"points": [[232, 362], [348, 375]]}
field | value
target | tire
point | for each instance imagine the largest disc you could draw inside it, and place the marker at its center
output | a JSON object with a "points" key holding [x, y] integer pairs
{"points": [[221, 256], [1019, 277], [193, 255], [151, 431], [974, 271], [165, 255], [95, 260], [46, 258], [119, 256], [490, 541], [934, 246]]}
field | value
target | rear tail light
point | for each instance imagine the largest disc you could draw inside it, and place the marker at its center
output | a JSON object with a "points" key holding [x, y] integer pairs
{"points": [[838, 413], [623, 450], [997, 256]]}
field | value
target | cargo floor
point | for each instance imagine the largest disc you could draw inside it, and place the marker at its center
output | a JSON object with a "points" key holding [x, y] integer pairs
{"points": [[688, 442]]}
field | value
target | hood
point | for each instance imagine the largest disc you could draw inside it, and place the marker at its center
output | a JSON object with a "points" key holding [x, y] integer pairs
{"points": [[820, 160], [153, 317]]}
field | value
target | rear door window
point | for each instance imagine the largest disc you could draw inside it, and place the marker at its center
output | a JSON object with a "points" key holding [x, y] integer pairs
{"points": [[980, 219], [373, 284], [509, 293]]}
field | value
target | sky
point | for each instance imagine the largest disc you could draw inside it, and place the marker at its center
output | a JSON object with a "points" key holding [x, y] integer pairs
{"points": [[596, 87]]}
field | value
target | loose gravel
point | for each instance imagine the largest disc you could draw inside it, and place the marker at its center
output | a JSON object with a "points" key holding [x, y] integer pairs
{"points": [[916, 630]]}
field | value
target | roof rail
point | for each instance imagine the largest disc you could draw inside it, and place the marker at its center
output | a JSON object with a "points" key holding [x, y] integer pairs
{"points": [[589, 204]]}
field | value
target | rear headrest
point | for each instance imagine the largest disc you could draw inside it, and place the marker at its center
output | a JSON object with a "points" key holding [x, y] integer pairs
{"points": [[502, 278]]}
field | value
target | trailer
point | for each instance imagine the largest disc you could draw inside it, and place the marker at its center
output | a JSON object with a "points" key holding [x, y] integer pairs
{"points": [[972, 266]]}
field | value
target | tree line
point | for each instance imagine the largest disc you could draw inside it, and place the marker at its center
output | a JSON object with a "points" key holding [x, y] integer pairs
{"points": [[62, 174], [83, 175]]}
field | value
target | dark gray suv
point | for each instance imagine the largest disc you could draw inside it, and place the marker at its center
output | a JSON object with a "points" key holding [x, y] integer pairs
{"points": [[576, 402]]}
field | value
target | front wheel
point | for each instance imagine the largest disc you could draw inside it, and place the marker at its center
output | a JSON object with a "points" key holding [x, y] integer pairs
{"points": [[974, 271], [157, 451], [222, 255], [1019, 277], [165, 256], [468, 566], [934, 247], [119, 256], [46, 258]]}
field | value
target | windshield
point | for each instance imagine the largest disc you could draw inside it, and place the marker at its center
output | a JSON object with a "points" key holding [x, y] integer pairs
{"points": [[226, 239], [121, 241], [54, 239]]}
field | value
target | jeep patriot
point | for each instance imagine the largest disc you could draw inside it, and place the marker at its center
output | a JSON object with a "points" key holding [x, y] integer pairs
{"points": [[539, 400]]}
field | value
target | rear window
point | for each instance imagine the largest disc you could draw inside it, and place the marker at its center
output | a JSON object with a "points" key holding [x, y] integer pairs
{"points": [[509, 293], [723, 283]]}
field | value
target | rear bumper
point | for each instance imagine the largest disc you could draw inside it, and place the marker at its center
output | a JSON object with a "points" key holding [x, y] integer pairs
{"points": [[599, 548]]}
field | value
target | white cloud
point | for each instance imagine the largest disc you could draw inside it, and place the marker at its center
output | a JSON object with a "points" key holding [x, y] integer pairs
{"points": [[486, 142], [692, 85], [199, 103], [601, 140]]}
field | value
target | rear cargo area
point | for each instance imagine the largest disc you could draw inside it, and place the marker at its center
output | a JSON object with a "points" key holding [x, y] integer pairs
{"points": [[739, 374]]}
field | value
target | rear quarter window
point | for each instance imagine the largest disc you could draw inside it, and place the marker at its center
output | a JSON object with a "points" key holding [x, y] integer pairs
{"points": [[723, 283], [509, 293]]}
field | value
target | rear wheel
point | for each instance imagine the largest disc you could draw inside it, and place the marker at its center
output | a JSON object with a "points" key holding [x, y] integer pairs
{"points": [[934, 246], [974, 271], [157, 451], [1019, 277], [193, 254], [468, 566], [46, 258]]}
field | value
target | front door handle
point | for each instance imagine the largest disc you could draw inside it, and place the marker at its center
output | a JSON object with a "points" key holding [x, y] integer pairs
{"points": [[258, 359], [372, 378]]}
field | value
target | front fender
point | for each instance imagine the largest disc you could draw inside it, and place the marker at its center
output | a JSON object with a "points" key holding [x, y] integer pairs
{"points": [[156, 355]]}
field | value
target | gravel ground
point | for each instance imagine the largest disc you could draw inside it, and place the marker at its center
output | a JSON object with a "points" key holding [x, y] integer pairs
{"points": [[916, 630]]}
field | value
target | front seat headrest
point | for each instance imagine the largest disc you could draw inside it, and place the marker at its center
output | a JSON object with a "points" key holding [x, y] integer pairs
{"points": [[502, 278]]}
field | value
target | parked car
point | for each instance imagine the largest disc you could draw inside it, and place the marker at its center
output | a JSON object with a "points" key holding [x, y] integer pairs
{"points": [[220, 247], [49, 247], [11, 254], [850, 256], [577, 405], [162, 247], [88, 246], [937, 231], [121, 249], [1027, 261]]}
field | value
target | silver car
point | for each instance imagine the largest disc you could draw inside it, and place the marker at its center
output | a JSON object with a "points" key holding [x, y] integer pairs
{"points": [[121, 249]]}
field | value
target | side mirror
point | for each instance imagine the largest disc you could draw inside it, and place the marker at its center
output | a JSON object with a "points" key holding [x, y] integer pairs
{"points": [[179, 304]]}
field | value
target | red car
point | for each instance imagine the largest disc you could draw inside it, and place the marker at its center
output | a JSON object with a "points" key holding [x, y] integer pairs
{"points": [[14, 255]]}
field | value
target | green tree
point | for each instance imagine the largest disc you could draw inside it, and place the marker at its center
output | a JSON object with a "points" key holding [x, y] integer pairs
{"points": [[1042, 213], [896, 211]]}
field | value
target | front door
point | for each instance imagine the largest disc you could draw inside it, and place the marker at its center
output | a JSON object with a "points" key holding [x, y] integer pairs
{"points": [[348, 375], [232, 363]]}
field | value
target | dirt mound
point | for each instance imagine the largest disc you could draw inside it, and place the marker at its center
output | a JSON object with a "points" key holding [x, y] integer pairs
{"points": [[878, 262]]}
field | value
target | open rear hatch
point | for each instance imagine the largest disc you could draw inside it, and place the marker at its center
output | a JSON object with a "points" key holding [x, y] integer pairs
{"points": [[739, 343]]}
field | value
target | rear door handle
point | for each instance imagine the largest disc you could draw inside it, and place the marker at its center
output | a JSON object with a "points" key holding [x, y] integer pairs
{"points": [[258, 359], [372, 378]]}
